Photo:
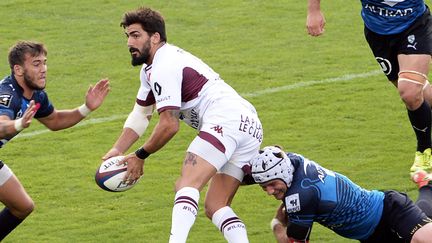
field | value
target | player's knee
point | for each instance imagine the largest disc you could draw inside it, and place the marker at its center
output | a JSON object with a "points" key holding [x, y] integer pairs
{"points": [[24, 209], [27, 209], [211, 205], [210, 209], [412, 99], [410, 86]]}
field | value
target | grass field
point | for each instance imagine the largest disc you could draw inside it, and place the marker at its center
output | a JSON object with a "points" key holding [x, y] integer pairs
{"points": [[323, 97]]}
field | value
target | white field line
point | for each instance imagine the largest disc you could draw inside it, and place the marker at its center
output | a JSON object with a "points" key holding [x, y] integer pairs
{"points": [[83, 123], [346, 77]]}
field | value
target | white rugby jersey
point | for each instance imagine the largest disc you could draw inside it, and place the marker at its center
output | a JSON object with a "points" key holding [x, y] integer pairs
{"points": [[178, 80]]}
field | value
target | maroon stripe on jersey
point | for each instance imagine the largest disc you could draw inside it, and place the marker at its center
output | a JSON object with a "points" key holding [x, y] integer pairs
{"points": [[168, 108], [229, 221], [150, 100], [212, 140], [187, 200], [192, 84]]}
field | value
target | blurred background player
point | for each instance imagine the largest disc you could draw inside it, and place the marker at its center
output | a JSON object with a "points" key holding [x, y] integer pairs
{"points": [[182, 87], [399, 34], [22, 97], [311, 193]]}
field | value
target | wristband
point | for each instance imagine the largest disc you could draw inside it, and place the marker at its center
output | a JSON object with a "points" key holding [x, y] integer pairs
{"points": [[274, 222], [18, 125], [141, 153], [84, 110]]}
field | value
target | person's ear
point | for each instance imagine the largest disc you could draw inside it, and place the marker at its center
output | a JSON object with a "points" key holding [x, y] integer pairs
{"points": [[18, 70], [155, 38]]}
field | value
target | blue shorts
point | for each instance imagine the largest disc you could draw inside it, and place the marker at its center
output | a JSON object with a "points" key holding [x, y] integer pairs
{"points": [[401, 218]]}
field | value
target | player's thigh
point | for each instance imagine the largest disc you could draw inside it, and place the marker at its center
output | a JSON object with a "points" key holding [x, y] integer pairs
{"points": [[415, 62], [424, 234], [196, 172], [385, 52], [13, 195]]}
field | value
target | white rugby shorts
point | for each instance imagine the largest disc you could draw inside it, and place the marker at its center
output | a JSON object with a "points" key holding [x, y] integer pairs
{"points": [[229, 137], [5, 174]]}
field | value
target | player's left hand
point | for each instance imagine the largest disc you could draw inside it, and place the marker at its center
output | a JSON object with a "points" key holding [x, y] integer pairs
{"points": [[29, 114], [97, 93], [135, 168]]}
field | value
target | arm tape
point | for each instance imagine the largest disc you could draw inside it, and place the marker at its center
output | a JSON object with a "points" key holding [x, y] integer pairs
{"points": [[138, 119], [84, 110], [274, 222], [18, 125]]}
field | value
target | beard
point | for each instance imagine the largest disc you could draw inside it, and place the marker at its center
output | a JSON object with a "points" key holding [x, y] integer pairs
{"points": [[140, 59], [32, 85], [143, 54]]}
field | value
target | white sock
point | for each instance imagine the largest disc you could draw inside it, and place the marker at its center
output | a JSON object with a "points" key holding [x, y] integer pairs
{"points": [[230, 225], [184, 213]]}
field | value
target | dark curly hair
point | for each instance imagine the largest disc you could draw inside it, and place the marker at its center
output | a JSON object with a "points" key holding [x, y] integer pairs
{"points": [[150, 20]]}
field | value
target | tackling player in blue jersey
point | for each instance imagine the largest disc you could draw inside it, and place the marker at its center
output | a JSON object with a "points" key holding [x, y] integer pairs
{"points": [[22, 98], [311, 193], [399, 33]]}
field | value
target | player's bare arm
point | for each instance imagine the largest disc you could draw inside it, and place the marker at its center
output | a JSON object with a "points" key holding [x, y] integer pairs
{"points": [[134, 127], [315, 20], [126, 139], [62, 119], [164, 130], [279, 224], [10, 127]]}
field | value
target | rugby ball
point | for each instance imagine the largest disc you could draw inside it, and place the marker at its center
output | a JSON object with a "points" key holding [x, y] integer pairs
{"points": [[109, 176]]}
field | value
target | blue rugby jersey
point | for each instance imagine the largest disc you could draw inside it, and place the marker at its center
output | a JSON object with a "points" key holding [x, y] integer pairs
{"points": [[331, 199], [387, 17], [13, 104]]}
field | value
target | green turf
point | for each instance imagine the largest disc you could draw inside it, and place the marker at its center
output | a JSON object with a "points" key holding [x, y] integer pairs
{"points": [[357, 126]]}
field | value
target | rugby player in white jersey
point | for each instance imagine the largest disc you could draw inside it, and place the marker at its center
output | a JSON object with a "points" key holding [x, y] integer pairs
{"points": [[182, 87]]}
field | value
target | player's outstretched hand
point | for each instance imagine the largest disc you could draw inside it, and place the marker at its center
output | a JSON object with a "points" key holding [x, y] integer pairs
{"points": [[96, 94], [135, 168]]}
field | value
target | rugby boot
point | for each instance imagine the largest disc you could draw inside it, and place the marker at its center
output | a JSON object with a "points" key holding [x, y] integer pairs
{"points": [[422, 166]]}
